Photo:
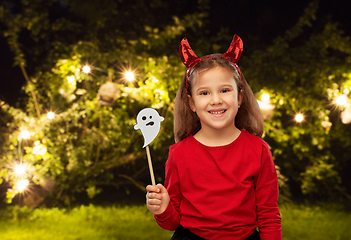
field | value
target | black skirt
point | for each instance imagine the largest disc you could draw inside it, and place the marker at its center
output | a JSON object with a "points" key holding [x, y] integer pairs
{"points": [[184, 234]]}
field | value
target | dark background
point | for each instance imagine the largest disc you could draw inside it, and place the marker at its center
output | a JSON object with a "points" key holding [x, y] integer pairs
{"points": [[250, 19], [257, 22]]}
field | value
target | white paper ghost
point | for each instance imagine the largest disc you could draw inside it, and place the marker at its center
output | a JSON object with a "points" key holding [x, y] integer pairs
{"points": [[149, 123]]}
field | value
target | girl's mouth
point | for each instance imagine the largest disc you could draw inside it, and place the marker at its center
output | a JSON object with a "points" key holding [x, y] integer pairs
{"points": [[217, 112]]}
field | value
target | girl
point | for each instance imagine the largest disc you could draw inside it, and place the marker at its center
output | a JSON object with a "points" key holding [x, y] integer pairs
{"points": [[220, 181]]}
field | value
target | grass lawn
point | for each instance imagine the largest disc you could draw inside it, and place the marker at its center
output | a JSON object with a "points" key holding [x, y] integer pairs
{"points": [[85, 222], [302, 222], [135, 222]]}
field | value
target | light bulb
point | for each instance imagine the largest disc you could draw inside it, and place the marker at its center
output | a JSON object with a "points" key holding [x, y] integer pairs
{"points": [[50, 115], [86, 69], [299, 117], [341, 100], [265, 97], [24, 134], [20, 169], [22, 185], [129, 76]]}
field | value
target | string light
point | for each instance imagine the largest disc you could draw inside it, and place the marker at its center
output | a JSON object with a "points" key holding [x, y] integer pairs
{"points": [[299, 117], [265, 98], [50, 115], [86, 69], [24, 134], [129, 75], [22, 185], [341, 100], [20, 169]]}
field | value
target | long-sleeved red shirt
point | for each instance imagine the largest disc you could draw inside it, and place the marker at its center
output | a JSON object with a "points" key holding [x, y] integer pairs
{"points": [[222, 192]]}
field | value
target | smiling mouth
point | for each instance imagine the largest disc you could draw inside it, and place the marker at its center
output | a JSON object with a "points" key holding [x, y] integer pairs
{"points": [[150, 124], [217, 112]]}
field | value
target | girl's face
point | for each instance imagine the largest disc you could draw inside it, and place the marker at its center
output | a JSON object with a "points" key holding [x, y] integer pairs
{"points": [[215, 99]]}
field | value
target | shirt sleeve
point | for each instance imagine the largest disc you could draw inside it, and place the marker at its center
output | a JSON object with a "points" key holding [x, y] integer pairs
{"points": [[170, 218], [268, 216]]}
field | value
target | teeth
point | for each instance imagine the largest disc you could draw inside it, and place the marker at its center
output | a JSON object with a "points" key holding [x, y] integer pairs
{"points": [[218, 112]]}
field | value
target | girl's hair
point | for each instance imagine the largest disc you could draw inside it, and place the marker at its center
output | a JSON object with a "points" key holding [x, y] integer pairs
{"points": [[186, 122]]}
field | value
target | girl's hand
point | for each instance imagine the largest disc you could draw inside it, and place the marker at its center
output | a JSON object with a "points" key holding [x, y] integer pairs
{"points": [[157, 198]]}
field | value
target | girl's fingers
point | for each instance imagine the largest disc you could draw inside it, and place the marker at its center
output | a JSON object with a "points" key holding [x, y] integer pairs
{"points": [[154, 202], [154, 208], [151, 188], [157, 198], [152, 195]]}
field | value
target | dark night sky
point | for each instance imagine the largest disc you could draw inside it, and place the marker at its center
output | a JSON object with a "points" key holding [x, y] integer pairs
{"points": [[265, 19]]}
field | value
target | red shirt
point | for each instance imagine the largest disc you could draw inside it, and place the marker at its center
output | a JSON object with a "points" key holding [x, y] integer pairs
{"points": [[222, 192]]}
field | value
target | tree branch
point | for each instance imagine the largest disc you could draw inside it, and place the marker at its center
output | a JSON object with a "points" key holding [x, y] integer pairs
{"points": [[138, 185], [32, 92]]}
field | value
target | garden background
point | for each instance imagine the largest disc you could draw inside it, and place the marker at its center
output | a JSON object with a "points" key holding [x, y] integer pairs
{"points": [[75, 74]]}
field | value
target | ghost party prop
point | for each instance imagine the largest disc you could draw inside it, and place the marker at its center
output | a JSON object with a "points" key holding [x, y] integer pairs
{"points": [[149, 123]]}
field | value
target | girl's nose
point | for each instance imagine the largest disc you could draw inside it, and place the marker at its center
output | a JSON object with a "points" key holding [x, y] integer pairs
{"points": [[216, 99]]}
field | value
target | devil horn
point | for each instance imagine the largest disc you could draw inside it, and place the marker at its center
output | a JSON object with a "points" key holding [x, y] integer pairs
{"points": [[186, 54], [235, 49]]}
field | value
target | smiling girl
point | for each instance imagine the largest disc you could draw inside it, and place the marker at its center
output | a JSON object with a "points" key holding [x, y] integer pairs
{"points": [[220, 181]]}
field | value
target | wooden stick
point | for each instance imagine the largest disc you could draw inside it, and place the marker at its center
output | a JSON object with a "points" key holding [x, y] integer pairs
{"points": [[150, 165]]}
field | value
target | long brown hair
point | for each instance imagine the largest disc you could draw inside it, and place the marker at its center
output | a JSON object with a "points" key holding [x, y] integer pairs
{"points": [[186, 122]]}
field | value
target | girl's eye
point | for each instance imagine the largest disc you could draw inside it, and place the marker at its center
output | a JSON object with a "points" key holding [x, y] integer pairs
{"points": [[204, 93], [225, 90]]}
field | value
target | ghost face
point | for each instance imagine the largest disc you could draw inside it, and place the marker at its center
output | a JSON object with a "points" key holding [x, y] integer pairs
{"points": [[149, 123]]}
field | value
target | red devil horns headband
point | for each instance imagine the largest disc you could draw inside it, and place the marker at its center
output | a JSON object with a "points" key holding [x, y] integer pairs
{"points": [[189, 58]]}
